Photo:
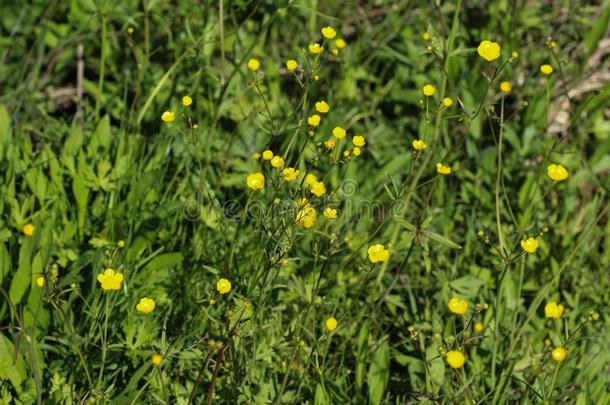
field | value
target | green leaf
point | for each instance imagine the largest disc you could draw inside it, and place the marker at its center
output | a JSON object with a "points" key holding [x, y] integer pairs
{"points": [[441, 239], [598, 30], [361, 357], [164, 261], [12, 367], [379, 373], [23, 276], [5, 125]]}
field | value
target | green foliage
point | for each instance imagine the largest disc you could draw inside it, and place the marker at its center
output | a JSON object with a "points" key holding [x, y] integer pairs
{"points": [[86, 159]]}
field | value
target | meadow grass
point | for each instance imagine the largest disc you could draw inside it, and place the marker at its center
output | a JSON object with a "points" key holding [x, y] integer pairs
{"points": [[277, 202]]}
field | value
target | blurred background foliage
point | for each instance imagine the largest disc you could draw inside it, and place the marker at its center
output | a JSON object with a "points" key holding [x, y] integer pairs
{"points": [[87, 159]]}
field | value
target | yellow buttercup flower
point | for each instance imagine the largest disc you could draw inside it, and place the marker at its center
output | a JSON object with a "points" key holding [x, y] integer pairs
{"points": [[478, 327], [168, 116], [290, 173], [315, 48], [307, 215], [110, 280], [358, 140], [223, 286], [267, 155], [328, 32], [331, 324], [447, 102], [489, 50], [428, 90], [457, 306], [277, 162], [314, 120], [256, 181], [506, 87], [455, 359], [378, 253], [28, 229], [40, 282], [442, 169], [356, 151], [310, 178], [292, 64], [425, 36], [330, 144], [146, 305], [318, 188], [339, 132], [256, 156], [187, 101], [418, 144], [330, 213], [553, 310], [254, 64], [557, 172], [340, 43], [322, 107], [546, 69], [346, 153], [559, 354], [156, 359], [530, 245]]}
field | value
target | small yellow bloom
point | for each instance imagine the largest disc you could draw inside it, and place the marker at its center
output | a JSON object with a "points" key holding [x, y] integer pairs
{"points": [[489, 50], [457, 306], [358, 140], [121, 243], [428, 90], [168, 116], [146, 305], [340, 43], [156, 359], [290, 173], [553, 310], [316, 77], [447, 102], [339, 132], [318, 188], [322, 107], [307, 215], [110, 280], [256, 181], [346, 153], [455, 359], [292, 64], [334, 51], [314, 120], [276, 201], [330, 213], [330, 144], [530, 245], [557, 172], [478, 327], [315, 48], [506, 87], [331, 324], [223, 286], [559, 354], [310, 178], [40, 282], [130, 30], [253, 64], [356, 151], [277, 162], [284, 262], [28, 229], [187, 101], [425, 36], [546, 69], [378, 253], [267, 155], [256, 156], [328, 32], [442, 169], [418, 144]]}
